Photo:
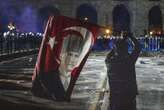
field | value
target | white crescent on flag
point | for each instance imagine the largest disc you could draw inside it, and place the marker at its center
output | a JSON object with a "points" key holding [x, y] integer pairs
{"points": [[87, 42], [70, 49]]}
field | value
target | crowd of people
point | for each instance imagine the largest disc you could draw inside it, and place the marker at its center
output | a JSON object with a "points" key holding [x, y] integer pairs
{"points": [[148, 43], [11, 42]]}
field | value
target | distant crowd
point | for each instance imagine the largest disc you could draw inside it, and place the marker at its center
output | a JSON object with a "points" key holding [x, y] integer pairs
{"points": [[11, 42], [148, 43]]}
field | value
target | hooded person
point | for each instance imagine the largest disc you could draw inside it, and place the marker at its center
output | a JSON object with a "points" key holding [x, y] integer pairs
{"points": [[121, 74]]}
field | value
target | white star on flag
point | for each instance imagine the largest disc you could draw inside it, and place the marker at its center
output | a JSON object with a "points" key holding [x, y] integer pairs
{"points": [[52, 42]]}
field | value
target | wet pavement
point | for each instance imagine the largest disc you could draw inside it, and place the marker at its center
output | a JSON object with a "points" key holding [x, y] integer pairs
{"points": [[150, 77], [150, 80], [15, 85]]}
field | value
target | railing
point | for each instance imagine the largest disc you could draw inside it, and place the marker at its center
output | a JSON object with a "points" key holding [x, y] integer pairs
{"points": [[149, 44], [19, 42], [11, 42]]}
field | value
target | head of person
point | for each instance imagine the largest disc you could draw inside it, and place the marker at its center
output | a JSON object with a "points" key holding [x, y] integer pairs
{"points": [[121, 47]]}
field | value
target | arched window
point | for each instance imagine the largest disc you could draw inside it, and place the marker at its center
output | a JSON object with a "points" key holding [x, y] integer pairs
{"points": [[155, 19], [87, 12], [121, 19]]}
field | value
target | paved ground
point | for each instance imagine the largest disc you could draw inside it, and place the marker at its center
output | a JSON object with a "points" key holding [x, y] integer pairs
{"points": [[17, 54], [150, 78], [15, 85]]}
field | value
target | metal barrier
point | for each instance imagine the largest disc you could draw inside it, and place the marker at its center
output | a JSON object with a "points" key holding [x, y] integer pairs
{"points": [[11, 42], [150, 44]]}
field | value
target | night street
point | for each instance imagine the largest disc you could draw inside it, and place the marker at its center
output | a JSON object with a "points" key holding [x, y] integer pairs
{"points": [[15, 84], [82, 55]]}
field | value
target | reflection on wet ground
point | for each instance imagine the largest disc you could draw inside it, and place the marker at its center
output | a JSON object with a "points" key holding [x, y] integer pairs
{"points": [[150, 78], [15, 86]]}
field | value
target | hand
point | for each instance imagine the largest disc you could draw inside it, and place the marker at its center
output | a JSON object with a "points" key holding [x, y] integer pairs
{"points": [[125, 35]]}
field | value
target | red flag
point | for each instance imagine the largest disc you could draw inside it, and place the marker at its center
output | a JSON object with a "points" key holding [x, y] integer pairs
{"points": [[64, 50]]}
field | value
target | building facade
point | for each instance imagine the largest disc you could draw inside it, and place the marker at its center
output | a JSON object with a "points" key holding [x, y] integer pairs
{"points": [[137, 16]]}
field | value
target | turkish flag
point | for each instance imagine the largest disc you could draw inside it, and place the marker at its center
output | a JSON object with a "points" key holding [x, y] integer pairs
{"points": [[64, 50]]}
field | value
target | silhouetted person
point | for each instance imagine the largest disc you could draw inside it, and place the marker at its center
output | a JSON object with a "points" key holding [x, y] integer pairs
{"points": [[122, 75]]}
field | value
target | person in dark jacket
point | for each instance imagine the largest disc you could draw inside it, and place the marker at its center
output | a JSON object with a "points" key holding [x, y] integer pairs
{"points": [[121, 74]]}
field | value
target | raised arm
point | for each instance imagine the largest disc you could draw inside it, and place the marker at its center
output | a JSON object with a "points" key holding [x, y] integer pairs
{"points": [[136, 49], [107, 60], [108, 56]]}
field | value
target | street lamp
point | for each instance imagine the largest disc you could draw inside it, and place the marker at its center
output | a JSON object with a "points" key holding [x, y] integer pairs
{"points": [[11, 26], [107, 31]]}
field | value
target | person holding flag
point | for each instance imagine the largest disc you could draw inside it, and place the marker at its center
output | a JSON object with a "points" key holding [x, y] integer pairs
{"points": [[46, 80]]}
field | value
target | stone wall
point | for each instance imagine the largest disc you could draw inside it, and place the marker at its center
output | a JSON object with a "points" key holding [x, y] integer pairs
{"points": [[138, 10]]}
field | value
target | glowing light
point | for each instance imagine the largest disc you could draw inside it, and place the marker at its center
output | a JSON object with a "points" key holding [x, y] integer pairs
{"points": [[159, 32], [7, 33], [86, 19], [12, 34], [11, 26], [107, 31], [4, 34], [22, 34], [151, 33]]}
